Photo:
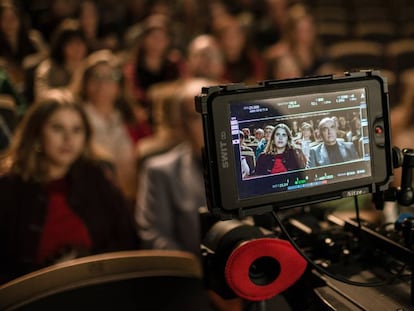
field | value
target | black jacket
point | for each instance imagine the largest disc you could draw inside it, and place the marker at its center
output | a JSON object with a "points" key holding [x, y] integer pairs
{"points": [[23, 208]]}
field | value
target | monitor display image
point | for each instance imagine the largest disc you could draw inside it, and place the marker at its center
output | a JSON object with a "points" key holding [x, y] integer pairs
{"points": [[289, 143], [311, 162]]}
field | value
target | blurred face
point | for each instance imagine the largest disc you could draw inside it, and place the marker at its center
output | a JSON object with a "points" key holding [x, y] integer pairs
{"points": [[277, 9], [103, 85], [328, 132], [157, 42], [75, 50], [286, 67], [267, 133], [63, 140], [233, 40], [306, 132], [305, 32], [246, 132], [9, 23], [258, 135], [207, 62], [89, 17], [281, 138]]}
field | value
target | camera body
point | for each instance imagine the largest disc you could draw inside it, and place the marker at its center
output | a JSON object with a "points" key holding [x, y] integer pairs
{"points": [[227, 109]]}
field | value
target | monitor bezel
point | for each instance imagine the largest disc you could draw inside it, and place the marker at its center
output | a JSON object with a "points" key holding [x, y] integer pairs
{"points": [[222, 176]]}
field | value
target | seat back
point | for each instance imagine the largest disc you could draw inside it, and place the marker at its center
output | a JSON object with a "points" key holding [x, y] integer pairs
{"points": [[379, 31], [357, 54], [128, 280]]}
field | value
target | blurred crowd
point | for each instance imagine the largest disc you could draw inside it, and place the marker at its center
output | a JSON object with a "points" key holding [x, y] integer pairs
{"points": [[119, 58], [125, 73]]}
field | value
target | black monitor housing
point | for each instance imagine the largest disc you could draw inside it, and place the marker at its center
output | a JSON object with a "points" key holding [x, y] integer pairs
{"points": [[226, 109]]}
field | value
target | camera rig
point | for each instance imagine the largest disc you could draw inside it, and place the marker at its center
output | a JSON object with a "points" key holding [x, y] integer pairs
{"points": [[300, 193], [229, 108]]}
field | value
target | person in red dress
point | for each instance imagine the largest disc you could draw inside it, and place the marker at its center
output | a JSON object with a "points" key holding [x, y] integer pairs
{"points": [[280, 155], [57, 201]]}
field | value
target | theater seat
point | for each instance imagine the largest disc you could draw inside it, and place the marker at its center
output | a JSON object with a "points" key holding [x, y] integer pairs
{"points": [[357, 54], [128, 280], [378, 31]]}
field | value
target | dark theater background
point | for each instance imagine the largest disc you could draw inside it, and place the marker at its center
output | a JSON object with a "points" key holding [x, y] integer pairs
{"points": [[102, 196]]}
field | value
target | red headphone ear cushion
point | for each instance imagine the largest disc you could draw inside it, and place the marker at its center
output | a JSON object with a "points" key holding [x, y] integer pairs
{"points": [[292, 266]]}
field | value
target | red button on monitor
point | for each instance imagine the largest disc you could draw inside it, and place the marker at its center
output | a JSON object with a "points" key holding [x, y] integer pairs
{"points": [[379, 130]]}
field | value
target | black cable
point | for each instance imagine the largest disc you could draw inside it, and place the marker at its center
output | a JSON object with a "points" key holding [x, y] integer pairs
{"points": [[358, 218], [322, 270]]}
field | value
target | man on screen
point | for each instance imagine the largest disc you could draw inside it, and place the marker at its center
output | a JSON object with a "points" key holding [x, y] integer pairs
{"points": [[331, 150]]}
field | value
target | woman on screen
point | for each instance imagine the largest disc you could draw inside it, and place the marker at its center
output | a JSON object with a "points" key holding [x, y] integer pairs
{"points": [[280, 155], [307, 140]]}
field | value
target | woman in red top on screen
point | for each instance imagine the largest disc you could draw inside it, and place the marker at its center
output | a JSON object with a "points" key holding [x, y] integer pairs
{"points": [[57, 202], [280, 155]]}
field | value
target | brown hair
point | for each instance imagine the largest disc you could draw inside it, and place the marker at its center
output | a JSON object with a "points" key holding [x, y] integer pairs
{"points": [[270, 147], [24, 156]]}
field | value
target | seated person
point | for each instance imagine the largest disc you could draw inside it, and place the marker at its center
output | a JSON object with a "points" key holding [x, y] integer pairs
{"points": [[171, 186], [331, 150], [261, 145], [307, 140], [56, 201], [247, 155], [280, 155], [258, 135]]}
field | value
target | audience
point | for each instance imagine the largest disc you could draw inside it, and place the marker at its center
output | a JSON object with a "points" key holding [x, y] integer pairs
{"points": [[68, 49], [101, 95], [343, 124], [49, 15], [355, 133], [96, 37], [21, 47], [258, 135], [243, 63], [167, 129], [148, 56], [307, 139], [268, 129], [56, 202], [205, 59], [284, 66], [13, 106], [402, 125], [343, 134], [301, 41], [152, 59], [171, 187], [272, 24], [246, 153]]}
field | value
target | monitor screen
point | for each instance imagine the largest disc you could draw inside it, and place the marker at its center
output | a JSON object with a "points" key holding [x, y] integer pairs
{"points": [[318, 139]]}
